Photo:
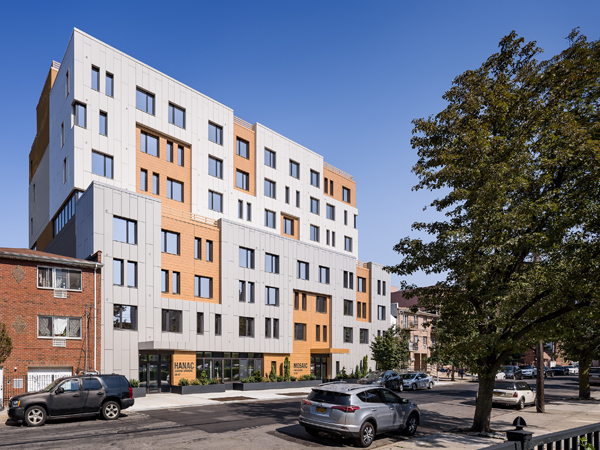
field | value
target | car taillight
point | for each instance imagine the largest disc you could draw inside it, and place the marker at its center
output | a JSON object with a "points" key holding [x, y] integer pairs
{"points": [[306, 402], [130, 393], [348, 409], [515, 395]]}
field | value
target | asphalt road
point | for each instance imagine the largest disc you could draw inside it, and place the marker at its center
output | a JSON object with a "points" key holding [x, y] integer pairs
{"points": [[269, 425]]}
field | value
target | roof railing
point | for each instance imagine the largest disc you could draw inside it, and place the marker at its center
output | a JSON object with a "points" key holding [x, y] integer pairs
{"points": [[243, 123], [55, 65], [341, 173], [185, 215]]}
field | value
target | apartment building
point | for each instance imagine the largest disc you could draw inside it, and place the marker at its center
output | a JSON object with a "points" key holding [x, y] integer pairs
{"points": [[227, 246]]}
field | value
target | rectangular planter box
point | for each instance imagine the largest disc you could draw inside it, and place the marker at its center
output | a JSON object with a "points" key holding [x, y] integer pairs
{"points": [[202, 389], [275, 385], [139, 392]]}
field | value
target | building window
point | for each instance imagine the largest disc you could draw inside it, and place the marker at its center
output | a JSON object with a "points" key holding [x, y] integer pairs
{"points": [[218, 328], [176, 282], [325, 183], [132, 274], [314, 233], [215, 133], [164, 281], [200, 323], [95, 78], [314, 178], [203, 287], [269, 219], [180, 155], [246, 327], [348, 280], [62, 135], [364, 336], [103, 128], [296, 301], [348, 308], [324, 333], [242, 148], [144, 180], [345, 217], [275, 328], [209, 251], [148, 144], [347, 243], [318, 333], [246, 291], [174, 190], [384, 290], [176, 115], [355, 219], [246, 258], [348, 335], [215, 167], [271, 296], [109, 84], [215, 201], [297, 199], [303, 273], [303, 302], [55, 278], [144, 101], [59, 327], [240, 209], [269, 158], [358, 309], [346, 195], [125, 317], [169, 151], [79, 110], [288, 226], [323, 274], [67, 211], [271, 263], [314, 205], [118, 272], [333, 238], [294, 169], [65, 171], [268, 331], [378, 287], [331, 187], [269, 188], [321, 304], [381, 312], [171, 321], [287, 195], [330, 212], [242, 180], [155, 184], [361, 284], [102, 165], [299, 331], [67, 84], [169, 242], [364, 310]]}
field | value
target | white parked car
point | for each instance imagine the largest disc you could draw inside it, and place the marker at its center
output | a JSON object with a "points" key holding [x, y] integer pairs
{"points": [[499, 376], [594, 375], [529, 371], [417, 380], [514, 393]]}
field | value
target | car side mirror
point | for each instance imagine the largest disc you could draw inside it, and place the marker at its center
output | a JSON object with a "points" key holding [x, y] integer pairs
{"points": [[404, 400], [533, 389], [60, 390]]}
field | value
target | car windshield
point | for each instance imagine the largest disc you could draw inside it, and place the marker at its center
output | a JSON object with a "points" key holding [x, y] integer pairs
{"points": [[372, 375], [527, 367], [334, 398], [504, 386], [407, 376], [51, 385]]}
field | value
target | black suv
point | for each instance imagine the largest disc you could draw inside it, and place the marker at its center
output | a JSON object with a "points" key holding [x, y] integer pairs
{"points": [[79, 395]]}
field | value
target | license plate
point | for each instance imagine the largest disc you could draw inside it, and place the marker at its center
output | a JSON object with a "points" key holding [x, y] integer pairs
{"points": [[595, 376], [321, 409], [497, 393]]}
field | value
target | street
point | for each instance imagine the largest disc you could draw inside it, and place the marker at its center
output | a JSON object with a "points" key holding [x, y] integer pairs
{"points": [[266, 424]]}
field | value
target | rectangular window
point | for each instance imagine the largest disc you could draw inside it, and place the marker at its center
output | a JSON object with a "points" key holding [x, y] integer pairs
{"points": [[62, 135], [355, 219], [296, 301], [297, 199], [381, 312], [59, 327], [209, 251], [203, 286], [364, 310], [271, 296], [348, 308], [215, 167], [109, 84], [215, 133], [348, 335], [242, 180], [345, 217], [242, 291], [164, 281], [246, 327], [170, 151], [268, 331], [330, 212], [102, 165], [155, 184], [327, 239], [65, 171], [347, 243], [299, 331], [144, 101], [171, 321], [242, 148], [80, 114], [321, 304], [331, 187], [248, 212], [269, 158], [125, 317], [55, 278], [67, 84], [200, 323], [197, 248], [333, 238], [131, 274], [176, 282], [275, 328], [148, 144], [323, 274], [364, 336], [103, 126], [383, 293], [314, 233], [180, 155], [303, 302], [218, 325], [174, 190], [303, 270], [325, 185], [288, 226], [378, 287], [346, 195], [314, 178], [176, 115], [95, 78], [269, 188], [246, 258], [324, 333], [318, 333], [271, 263], [294, 169], [314, 205], [287, 195], [169, 242], [118, 272], [359, 310], [215, 201], [240, 209], [361, 284], [246, 291], [269, 219]]}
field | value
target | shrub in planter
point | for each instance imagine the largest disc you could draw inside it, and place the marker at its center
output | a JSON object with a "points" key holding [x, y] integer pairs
{"points": [[365, 368], [279, 378], [195, 382], [134, 383], [342, 375], [286, 369], [213, 381], [293, 378], [258, 378], [272, 375], [184, 382]]}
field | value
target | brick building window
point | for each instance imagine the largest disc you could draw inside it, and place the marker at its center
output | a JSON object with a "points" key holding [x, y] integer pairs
{"points": [[59, 327], [56, 278]]}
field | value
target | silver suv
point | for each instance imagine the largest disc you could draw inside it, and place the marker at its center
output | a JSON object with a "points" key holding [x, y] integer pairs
{"points": [[359, 412]]}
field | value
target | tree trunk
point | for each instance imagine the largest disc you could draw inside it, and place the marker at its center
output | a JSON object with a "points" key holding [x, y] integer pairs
{"points": [[452, 379], [540, 400], [584, 375], [483, 409]]}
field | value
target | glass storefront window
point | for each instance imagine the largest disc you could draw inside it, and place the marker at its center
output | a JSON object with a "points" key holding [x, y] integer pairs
{"points": [[244, 368], [227, 370], [235, 369]]}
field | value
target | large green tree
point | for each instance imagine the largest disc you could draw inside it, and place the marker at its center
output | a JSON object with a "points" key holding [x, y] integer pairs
{"points": [[5, 344], [516, 157], [390, 349]]}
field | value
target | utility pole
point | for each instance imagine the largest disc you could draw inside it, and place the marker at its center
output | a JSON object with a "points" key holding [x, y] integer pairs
{"points": [[539, 382]]}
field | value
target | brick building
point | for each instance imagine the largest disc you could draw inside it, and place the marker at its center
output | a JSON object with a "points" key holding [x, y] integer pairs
{"points": [[48, 304]]}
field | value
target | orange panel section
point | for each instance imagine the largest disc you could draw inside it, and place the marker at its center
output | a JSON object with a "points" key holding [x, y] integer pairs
{"points": [[339, 182], [183, 365], [296, 234], [240, 163], [278, 359], [363, 297]]}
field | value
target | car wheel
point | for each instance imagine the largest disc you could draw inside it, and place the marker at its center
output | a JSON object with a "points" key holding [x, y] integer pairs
{"points": [[400, 387], [430, 385], [521, 404], [35, 416], [411, 425], [312, 431], [414, 387], [111, 410], [367, 434]]}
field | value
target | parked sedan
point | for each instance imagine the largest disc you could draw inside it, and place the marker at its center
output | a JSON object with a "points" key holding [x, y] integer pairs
{"points": [[594, 375], [513, 372], [388, 379], [417, 380], [559, 370], [499, 376], [514, 393], [548, 373], [529, 371], [571, 370]]}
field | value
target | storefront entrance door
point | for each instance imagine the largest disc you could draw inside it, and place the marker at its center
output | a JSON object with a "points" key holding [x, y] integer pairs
{"points": [[318, 367], [155, 371]]}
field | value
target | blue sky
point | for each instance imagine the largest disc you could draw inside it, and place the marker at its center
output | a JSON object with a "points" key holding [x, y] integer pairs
{"points": [[343, 78]]}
